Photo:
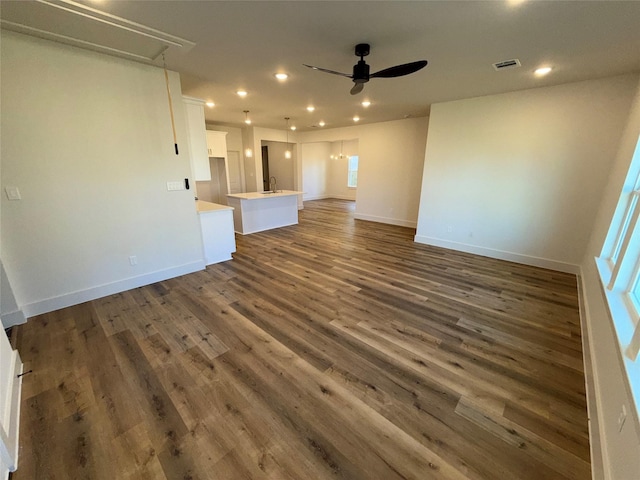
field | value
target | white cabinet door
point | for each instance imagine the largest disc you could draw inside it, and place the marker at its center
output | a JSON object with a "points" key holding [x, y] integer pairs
{"points": [[10, 384], [217, 144], [194, 113]]}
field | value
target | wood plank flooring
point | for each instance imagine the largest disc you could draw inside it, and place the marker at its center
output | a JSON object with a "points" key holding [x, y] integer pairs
{"points": [[333, 349]]}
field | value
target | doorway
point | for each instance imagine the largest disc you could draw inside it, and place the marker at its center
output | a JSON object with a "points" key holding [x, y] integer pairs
{"points": [[265, 168]]}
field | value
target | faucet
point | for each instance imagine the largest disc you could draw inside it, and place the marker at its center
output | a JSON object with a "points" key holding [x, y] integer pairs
{"points": [[273, 185]]}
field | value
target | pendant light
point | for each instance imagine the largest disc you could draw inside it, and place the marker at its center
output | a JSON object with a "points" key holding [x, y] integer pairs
{"points": [[247, 120], [287, 153]]}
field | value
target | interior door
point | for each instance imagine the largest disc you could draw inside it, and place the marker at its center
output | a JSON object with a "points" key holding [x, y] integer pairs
{"points": [[265, 168], [235, 176]]}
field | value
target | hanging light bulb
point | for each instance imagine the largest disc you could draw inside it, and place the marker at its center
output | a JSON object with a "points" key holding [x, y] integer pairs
{"points": [[287, 153], [247, 120]]}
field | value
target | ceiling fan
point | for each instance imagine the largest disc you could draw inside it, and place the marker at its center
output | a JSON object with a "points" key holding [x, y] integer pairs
{"points": [[361, 74]]}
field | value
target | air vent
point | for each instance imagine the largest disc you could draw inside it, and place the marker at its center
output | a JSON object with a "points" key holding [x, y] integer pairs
{"points": [[515, 63]]}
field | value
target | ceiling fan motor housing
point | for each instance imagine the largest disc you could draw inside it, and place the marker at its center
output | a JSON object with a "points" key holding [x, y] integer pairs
{"points": [[361, 72]]}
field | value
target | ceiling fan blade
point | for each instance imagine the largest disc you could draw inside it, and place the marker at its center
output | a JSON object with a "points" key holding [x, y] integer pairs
{"points": [[357, 88], [400, 70], [327, 70]]}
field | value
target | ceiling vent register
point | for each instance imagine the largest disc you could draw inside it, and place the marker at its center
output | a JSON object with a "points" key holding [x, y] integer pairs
{"points": [[506, 64]]}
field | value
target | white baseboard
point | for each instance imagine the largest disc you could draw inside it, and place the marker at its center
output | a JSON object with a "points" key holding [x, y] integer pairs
{"points": [[306, 198], [13, 318], [501, 254], [74, 298], [324, 197], [388, 220]]}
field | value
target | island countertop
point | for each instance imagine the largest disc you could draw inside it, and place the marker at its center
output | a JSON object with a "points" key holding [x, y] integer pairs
{"points": [[263, 195], [205, 207]]}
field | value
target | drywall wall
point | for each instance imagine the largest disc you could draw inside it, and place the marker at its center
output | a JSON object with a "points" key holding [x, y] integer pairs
{"points": [[250, 167], [281, 167], [234, 144], [10, 312], [314, 169], [91, 150], [519, 175], [621, 449], [339, 168], [391, 163]]}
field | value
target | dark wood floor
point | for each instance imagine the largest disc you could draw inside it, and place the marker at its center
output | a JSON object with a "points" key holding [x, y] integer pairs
{"points": [[334, 349]]}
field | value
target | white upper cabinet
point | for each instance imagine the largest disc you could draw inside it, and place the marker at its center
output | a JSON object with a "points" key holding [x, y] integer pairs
{"points": [[217, 144], [194, 113]]}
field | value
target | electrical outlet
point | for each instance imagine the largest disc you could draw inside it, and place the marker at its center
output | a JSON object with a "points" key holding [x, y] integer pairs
{"points": [[622, 418], [133, 260]]}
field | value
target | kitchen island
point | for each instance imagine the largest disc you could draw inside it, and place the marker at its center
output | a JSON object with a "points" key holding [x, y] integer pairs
{"points": [[216, 224], [258, 211]]}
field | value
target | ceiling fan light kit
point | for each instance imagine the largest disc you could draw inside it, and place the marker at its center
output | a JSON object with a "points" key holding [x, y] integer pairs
{"points": [[361, 70]]}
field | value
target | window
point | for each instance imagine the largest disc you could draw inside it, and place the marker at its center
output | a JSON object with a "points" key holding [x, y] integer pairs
{"points": [[352, 178], [619, 268]]}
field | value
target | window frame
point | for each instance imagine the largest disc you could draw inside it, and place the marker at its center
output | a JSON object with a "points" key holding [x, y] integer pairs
{"points": [[619, 270]]}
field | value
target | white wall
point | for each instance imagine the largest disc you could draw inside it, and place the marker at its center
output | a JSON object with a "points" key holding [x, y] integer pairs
{"points": [[10, 312], [391, 162], [339, 169], [314, 169], [519, 175], [234, 144], [279, 166], [621, 452], [87, 139], [252, 178]]}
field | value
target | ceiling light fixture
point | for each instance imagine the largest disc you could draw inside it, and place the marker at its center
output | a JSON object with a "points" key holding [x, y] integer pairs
{"points": [[287, 152], [310, 108], [366, 103], [211, 104], [281, 76], [293, 127], [321, 123], [242, 93], [542, 71], [247, 120], [356, 118]]}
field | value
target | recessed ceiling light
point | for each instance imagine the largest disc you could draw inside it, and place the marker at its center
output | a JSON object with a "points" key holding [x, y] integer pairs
{"points": [[310, 108], [366, 103], [211, 104], [281, 76], [356, 118], [242, 93], [542, 71], [321, 123], [293, 127]]}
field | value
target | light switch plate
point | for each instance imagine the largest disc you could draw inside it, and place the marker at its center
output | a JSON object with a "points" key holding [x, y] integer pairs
{"points": [[13, 193], [173, 186]]}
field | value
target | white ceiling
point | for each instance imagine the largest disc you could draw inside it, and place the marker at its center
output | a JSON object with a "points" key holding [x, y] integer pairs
{"points": [[242, 44]]}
